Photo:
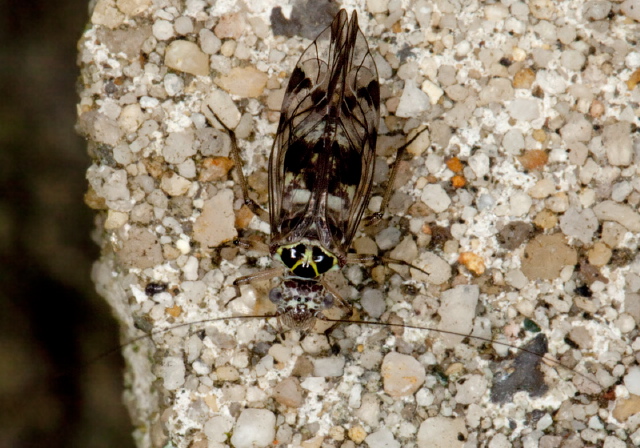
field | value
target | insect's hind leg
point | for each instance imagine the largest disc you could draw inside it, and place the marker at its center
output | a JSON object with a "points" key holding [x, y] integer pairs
{"points": [[373, 219], [242, 180]]}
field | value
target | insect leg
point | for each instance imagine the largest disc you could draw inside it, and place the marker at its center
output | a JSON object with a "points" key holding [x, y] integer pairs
{"points": [[262, 275], [342, 304], [392, 177], [361, 259], [242, 180]]}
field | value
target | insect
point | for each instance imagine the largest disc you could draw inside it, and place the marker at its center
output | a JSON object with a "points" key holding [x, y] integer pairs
{"points": [[320, 169]]}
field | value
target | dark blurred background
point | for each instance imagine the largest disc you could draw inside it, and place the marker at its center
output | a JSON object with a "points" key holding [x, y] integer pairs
{"points": [[52, 323]]}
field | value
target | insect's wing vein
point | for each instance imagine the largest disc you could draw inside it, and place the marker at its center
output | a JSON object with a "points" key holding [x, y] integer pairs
{"points": [[321, 164]]}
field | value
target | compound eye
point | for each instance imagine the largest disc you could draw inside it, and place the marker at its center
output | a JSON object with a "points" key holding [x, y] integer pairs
{"points": [[275, 295], [322, 261], [291, 255]]}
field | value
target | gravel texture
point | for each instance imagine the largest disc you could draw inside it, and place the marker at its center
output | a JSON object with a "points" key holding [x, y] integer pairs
{"points": [[520, 202]]}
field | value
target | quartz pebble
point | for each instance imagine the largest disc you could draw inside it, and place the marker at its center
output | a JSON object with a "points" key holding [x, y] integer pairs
{"points": [[580, 224], [413, 101], [435, 197], [246, 82], [215, 225], [457, 310], [632, 380], [382, 438], [173, 372], [187, 57], [523, 109], [163, 30], [289, 393], [442, 432], [332, 366], [255, 428], [402, 375], [617, 142], [472, 389], [631, 9], [620, 213]]}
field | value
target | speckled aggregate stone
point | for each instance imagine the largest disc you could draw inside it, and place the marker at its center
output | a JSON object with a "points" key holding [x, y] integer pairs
{"points": [[537, 103]]}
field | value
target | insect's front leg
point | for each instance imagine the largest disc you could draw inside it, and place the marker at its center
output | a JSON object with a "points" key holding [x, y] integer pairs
{"points": [[362, 259]]}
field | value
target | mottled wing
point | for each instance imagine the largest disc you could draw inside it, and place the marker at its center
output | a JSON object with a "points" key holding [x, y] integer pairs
{"points": [[321, 164]]}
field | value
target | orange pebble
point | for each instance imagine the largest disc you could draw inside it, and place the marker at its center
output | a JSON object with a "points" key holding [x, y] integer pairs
{"points": [[458, 181], [174, 311], [534, 159], [455, 165], [473, 262], [633, 80]]}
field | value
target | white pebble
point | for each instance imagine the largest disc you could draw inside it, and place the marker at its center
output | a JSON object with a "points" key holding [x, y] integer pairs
{"points": [[413, 101], [255, 428], [625, 323], [209, 42], [551, 82], [519, 203], [381, 439], [596, 9], [480, 164], [618, 144], [216, 428], [178, 146], [513, 141], [190, 269], [332, 366], [442, 432], [524, 109], [457, 310], [433, 90], [187, 57], [183, 25], [581, 225], [148, 102], [577, 129], [377, 6], [573, 60], [402, 375], [500, 441], [632, 380], [435, 197], [616, 442], [173, 371], [388, 238], [631, 9], [372, 302], [173, 84], [472, 389], [496, 12], [163, 30], [621, 190]]}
